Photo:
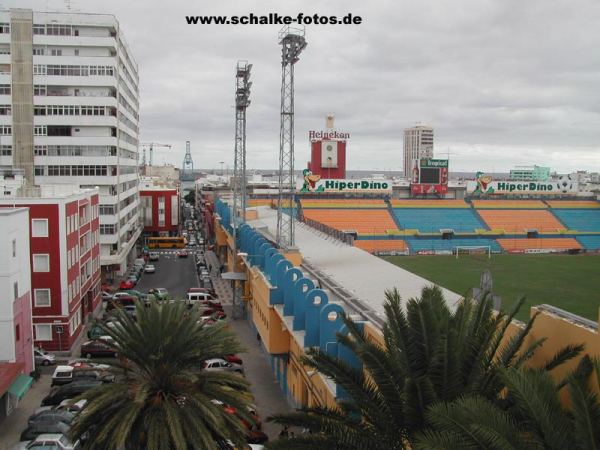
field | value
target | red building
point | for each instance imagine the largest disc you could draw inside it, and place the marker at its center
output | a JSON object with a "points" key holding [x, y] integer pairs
{"points": [[65, 261], [159, 210], [328, 158]]}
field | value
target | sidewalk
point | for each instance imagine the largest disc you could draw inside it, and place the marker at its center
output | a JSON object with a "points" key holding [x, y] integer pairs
{"points": [[268, 397]]}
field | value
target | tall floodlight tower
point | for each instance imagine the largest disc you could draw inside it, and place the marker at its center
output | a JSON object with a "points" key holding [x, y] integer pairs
{"points": [[242, 101], [292, 43]]}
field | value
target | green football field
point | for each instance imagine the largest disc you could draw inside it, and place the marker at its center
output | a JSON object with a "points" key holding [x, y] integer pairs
{"points": [[570, 282]]}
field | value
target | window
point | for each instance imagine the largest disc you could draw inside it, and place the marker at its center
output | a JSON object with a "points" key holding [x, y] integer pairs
{"points": [[5, 130], [39, 227], [4, 89], [76, 52], [41, 297], [39, 90], [5, 150], [41, 263], [15, 290], [56, 52], [14, 248], [17, 332], [39, 29], [43, 332], [38, 51], [4, 28]]}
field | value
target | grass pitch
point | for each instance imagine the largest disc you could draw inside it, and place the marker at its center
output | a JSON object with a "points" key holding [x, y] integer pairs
{"points": [[570, 282]]}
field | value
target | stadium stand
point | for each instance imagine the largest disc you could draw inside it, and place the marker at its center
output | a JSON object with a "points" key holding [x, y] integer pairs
{"points": [[579, 219], [517, 221], [363, 221], [343, 203], [401, 203], [429, 220], [590, 242], [573, 204], [509, 204], [381, 246], [539, 244], [259, 202], [419, 245]]}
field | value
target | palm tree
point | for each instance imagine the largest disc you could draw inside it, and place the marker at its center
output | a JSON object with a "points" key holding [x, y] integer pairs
{"points": [[431, 354], [530, 415], [161, 400]]}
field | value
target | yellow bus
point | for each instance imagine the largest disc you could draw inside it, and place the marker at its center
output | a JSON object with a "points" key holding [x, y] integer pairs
{"points": [[166, 242]]}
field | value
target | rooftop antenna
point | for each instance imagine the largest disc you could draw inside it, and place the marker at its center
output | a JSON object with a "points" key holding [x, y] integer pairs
{"points": [[292, 43]]}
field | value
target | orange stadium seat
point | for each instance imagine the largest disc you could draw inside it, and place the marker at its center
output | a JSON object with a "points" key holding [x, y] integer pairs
{"points": [[573, 204], [539, 243], [509, 204], [374, 246], [362, 221], [259, 202], [402, 203], [342, 203], [517, 221]]}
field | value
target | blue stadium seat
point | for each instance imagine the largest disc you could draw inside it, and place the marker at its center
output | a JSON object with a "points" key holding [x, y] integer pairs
{"points": [[431, 220], [590, 242], [579, 219], [449, 244]]}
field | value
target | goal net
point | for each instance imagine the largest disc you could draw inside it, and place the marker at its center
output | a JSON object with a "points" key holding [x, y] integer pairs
{"points": [[484, 251]]}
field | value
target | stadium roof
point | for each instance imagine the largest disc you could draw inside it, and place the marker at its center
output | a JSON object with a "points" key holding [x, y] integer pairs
{"points": [[362, 274]]}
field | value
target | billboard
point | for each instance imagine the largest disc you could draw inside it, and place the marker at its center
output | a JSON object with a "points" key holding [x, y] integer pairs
{"points": [[314, 183], [429, 176], [485, 185]]}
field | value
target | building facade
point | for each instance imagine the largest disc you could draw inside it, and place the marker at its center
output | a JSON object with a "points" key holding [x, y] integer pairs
{"points": [[69, 114], [530, 173], [418, 144], [64, 250], [16, 332], [159, 208]]}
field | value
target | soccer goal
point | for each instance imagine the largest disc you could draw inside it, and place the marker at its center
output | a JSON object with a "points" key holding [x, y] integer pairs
{"points": [[480, 250]]}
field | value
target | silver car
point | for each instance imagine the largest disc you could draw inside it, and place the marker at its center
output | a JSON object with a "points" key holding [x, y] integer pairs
{"points": [[222, 365], [42, 357]]}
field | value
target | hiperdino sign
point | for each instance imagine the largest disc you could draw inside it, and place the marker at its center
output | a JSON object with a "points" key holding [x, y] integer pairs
{"points": [[346, 186], [484, 185]]}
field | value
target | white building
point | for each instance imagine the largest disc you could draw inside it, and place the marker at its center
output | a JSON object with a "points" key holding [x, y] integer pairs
{"points": [[69, 114], [418, 144]]}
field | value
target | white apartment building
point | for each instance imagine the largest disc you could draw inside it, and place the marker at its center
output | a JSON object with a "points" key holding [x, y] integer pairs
{"points": [[69, 114], [418, 144]]}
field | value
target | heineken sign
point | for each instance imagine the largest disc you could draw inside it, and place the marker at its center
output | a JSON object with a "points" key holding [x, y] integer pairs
{"points": [[484, 185]]}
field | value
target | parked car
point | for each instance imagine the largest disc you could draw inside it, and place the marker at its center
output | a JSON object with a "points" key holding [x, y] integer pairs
{"points": [[139, 262], [33, 431], [220, 364], [98, 347], [65, 405], [133, 278], [57, 415], [66, 374], [197, 297], [42, 357], [134, 293], [85, 363], [59, 393], [154, 256], [149, 268], [126, 284], [233, 359], [202, 289], [159, 293], [182, 253], [47, 441], [106, 296]]}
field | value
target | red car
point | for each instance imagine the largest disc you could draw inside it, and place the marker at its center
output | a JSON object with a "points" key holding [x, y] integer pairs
{"points": [[126, 285], [233, 359], [182, 253]]}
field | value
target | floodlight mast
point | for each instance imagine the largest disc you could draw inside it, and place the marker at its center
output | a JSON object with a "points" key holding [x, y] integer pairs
{"points": [[242, 101], [292, 43]]}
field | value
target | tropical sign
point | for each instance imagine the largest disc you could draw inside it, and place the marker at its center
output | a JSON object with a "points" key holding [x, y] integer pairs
{"points": [[485, 185], [314, 183]]}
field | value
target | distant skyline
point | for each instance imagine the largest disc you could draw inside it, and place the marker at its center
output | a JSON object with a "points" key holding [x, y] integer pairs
{"points": [[502, 83]]}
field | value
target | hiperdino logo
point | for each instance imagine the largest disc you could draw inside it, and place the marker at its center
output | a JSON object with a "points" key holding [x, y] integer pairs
{"points": [[510, 187], [312, 183], [341, 185]]}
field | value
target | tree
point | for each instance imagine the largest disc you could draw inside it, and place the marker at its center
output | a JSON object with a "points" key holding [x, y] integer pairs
{"points": [[431, 354], [160, 399], [530, 415]]}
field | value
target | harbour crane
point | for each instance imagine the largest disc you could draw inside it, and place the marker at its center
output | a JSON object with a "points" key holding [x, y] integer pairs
{"points": [[151, 145]]}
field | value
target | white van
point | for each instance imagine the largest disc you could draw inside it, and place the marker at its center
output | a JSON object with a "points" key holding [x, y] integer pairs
{"points": [[195, 297]]}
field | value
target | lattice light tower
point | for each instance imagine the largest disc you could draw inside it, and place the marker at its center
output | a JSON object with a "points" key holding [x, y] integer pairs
{"points": [[188, 164], [292, 43], [242, 101]]}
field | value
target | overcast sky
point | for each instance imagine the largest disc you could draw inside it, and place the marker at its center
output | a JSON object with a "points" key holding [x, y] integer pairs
{"points": [[502, 82]]}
